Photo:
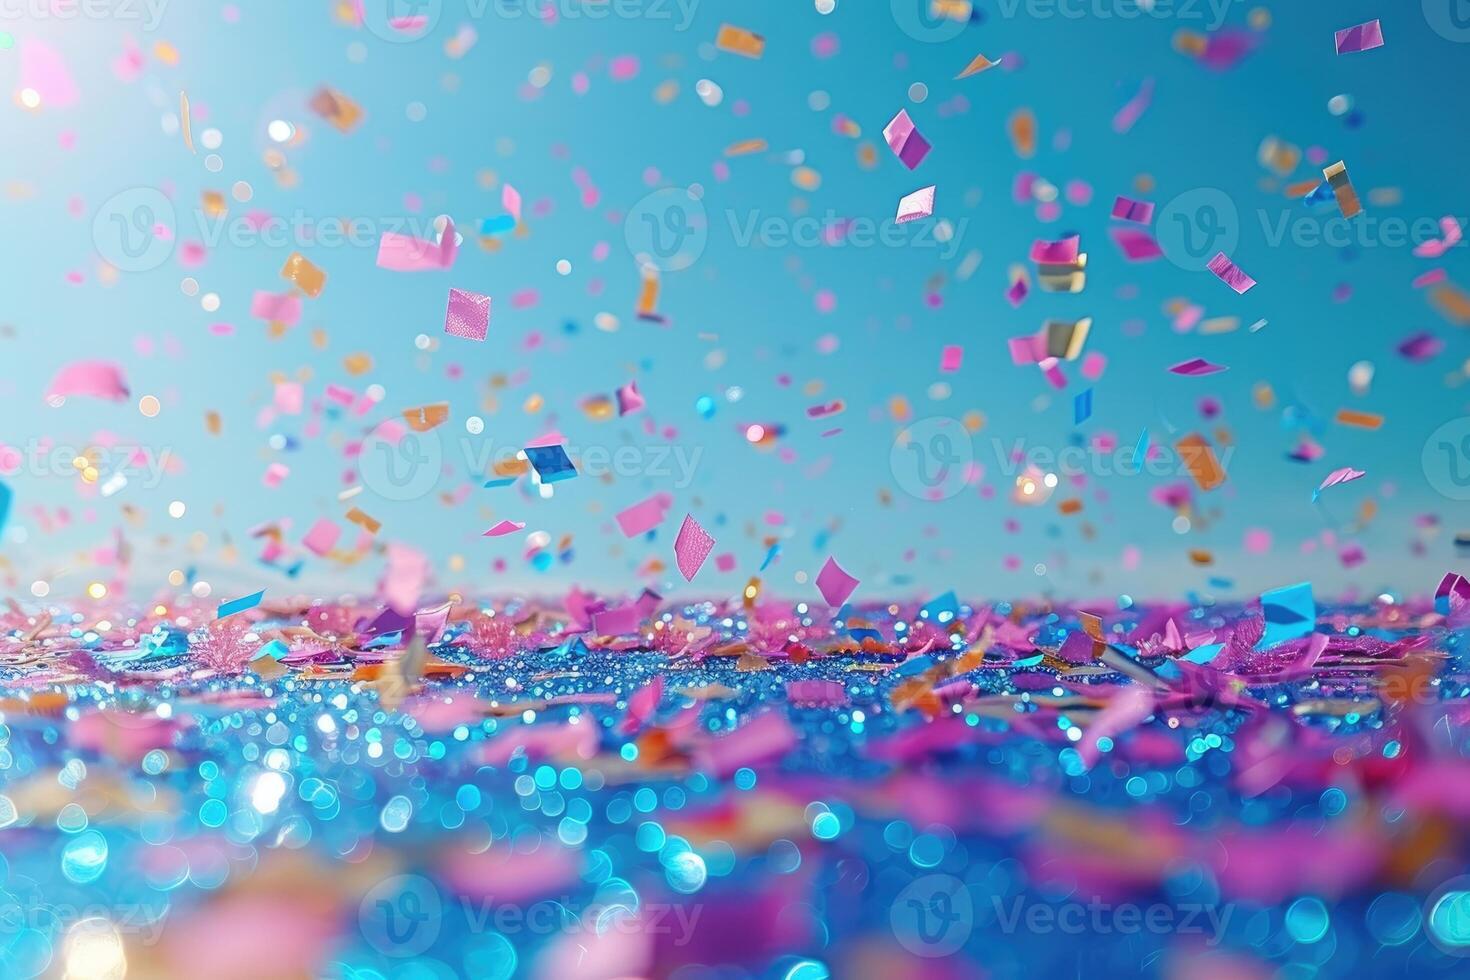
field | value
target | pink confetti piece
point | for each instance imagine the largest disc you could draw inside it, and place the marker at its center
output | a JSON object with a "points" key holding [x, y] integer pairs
{"points": [[1136, 244], [629, 399], [275, 475], [1429, 278], [835, 584], [1362, 37], [510, 199], [692, 547], [1127, 209], [503, 528], [950, 358], [404, 253], [1134, 108], [290, 397], [1230, 274], [43, 71], [468, 315], [1451, 236], [1063, 252], [1337, 477], [1197, 367], [89, 379], [919, 204], [617, 621], [644, 516], [905, 140], [282, 308], [322, 537]]}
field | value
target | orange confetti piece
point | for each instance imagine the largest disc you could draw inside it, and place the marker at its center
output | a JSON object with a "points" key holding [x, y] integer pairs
{"points": [[1452, 303], [305, 276], [366, 522], [1359, 420], [978, 64], [745, 147], [1022, 127], [1199, 458], [426, 417], [737, 40]]}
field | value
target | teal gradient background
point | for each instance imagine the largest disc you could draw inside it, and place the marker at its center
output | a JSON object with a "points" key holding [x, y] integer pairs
{"points": [[756, 304]]}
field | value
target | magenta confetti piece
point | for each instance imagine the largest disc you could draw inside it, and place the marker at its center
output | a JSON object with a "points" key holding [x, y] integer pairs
{"points": [[503, 528], [835, 584], [692, 547], [1230, 274], [1197, 367], [1363, 37], [1136, 244], [905, 140], [468, 315], [1127, 209]]}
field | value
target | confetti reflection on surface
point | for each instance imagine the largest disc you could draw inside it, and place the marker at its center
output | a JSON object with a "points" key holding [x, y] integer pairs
{"points": [[530, 488]]}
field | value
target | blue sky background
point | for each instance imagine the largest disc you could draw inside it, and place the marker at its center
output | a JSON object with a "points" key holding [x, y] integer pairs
{"points": [[1201, 131]]}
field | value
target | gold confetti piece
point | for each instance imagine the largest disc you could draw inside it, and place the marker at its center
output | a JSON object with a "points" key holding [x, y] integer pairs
{"points": [[1063, 277], [184, 121], [1199, 459], [425, 417], [1263, 395], [1220, 324], [1359, 420], [336, 108], [978, 64], [366, 522], [737, 40], [1201, 557], [166, 53], [212, 422], [1302, 189], [745, 147], [356, 364], [306, 277], [1342, 187], [214, 204], [957, 10], [1071, 505]]}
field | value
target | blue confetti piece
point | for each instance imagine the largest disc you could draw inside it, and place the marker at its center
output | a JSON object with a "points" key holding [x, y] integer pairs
{"points": [[551, 463], [1140, 452], [239, 605], [1082, 407]]}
